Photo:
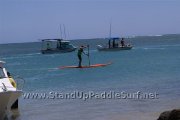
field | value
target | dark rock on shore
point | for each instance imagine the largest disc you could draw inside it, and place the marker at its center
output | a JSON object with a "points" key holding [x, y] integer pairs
{"points": [[170, 115]]}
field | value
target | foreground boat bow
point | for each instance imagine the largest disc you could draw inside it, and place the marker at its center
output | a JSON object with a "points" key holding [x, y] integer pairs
{"points": [[8, 93]]}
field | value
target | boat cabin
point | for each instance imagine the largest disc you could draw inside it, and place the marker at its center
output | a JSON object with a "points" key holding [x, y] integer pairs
{"points": [[56, 45]]}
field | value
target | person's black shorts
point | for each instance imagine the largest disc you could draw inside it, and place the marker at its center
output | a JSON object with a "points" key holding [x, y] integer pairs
{"points": [[79, 56]]}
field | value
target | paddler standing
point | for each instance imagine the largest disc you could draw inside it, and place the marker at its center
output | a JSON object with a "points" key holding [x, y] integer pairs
{"points": [[79, 54]]}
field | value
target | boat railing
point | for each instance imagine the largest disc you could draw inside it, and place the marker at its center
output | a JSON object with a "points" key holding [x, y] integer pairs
{"points": [[20, 82], [4, 88]]}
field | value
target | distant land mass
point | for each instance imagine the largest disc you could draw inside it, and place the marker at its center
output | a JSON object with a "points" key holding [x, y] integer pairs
{"points": [[145, 37]]}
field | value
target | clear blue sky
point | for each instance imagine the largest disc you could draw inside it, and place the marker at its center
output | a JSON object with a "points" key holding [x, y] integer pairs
{"points": [[30, 20]]}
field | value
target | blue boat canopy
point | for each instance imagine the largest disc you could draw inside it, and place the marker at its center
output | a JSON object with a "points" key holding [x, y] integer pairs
{"points": [[115, 38], [51, 39]]}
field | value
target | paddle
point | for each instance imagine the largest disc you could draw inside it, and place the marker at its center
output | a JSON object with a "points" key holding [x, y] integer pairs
{"points": [[88, 55]]}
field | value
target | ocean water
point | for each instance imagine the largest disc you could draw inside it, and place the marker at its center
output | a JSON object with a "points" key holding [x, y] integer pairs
{"points": [[152, 66]]}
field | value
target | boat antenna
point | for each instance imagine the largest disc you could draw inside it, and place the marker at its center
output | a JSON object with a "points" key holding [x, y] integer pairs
{"points": [[64, 31], [110, 31], [61, 32]]}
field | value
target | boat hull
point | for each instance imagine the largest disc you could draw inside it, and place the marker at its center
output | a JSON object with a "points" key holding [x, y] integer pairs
{"points": [[101, 48], [52, 51], [6, 101]]}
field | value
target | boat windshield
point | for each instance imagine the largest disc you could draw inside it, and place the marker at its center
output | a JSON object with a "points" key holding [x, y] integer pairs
{"points": [[2, 75]]}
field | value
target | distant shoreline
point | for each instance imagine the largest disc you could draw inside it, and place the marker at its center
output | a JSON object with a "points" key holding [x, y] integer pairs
{"points": [[128, 37]]}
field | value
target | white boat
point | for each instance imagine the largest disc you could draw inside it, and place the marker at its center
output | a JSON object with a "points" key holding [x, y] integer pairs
{"points": [[8, 93], [56, 46], [118, 48], [115, 46]]}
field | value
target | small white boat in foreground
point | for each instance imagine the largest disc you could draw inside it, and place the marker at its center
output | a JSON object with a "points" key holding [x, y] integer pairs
{"points": [[8, 92]]}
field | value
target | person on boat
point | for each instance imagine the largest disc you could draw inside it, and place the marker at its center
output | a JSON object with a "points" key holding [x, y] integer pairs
{"points": [[59, 44], [109, 43], [122, 42], [48, 46], [79, 54], [114, 44]]}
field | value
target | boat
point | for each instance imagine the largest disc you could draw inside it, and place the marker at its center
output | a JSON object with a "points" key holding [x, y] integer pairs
{"points": [[9, 94], [115, 46], [50, 46]]}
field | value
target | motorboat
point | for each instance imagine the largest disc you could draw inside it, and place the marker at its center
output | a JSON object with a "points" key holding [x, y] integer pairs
{"points": [[106, 48], [9, 94], [113, 45], [50, 46]]}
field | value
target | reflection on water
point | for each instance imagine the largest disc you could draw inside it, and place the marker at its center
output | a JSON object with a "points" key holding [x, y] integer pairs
{"points": [[13, 114]]}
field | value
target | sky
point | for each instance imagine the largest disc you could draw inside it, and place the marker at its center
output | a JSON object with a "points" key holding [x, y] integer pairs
{"points": [[31, 20]]}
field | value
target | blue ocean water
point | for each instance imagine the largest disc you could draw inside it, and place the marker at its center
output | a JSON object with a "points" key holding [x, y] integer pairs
{"points": [[151, 66]]}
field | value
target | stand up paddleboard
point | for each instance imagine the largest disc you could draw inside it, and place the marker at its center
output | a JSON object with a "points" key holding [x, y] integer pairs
{"points": [[90, 66]]}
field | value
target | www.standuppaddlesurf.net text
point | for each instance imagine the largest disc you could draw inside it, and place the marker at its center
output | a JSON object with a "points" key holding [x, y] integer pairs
{"points": [[89, 95]]}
